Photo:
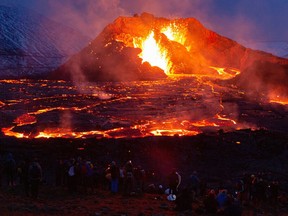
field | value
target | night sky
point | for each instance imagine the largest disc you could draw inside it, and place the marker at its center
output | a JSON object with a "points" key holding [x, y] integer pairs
{"points": [[241, 20]]}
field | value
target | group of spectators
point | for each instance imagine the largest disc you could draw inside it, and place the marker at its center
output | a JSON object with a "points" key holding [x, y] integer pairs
{"points": [[81, 175], [27, 173]]}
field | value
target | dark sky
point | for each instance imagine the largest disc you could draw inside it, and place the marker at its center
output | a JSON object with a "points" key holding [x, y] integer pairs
{"points": [[238, 19]]}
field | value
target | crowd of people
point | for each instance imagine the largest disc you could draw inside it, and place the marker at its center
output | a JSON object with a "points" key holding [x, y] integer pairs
{"points": [[79, 175], [27, 173]]}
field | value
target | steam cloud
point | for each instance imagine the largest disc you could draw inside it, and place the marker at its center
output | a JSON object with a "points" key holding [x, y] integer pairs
{"points": [[230, 19]]}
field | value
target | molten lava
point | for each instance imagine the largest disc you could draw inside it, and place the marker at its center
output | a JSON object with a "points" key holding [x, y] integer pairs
{"points": [[175, 33], [155, 50], [279, 101], [153, 53], [226, 73], [25, 119]]}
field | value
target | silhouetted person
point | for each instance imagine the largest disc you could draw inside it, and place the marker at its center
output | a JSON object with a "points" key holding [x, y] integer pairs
{"points": [[174, 180], [24, 176], [129, 178], [194, 184], [210, 203], [274, 190], [71, 177], [222, 199], [1, 170], [115, 173], [184, 200], [233, 208], [140, 177], [35, 176], [60, 173], [10, 169]]}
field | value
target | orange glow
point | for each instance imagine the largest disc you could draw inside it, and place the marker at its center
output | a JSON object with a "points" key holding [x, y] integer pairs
{"points": [[279, 100], [9, 132], [153, 53], [67, 134], [226, 73], [25, 119], [167, 128], [173, 33], [204, 123], [1, 104], [225, 119], [173, 132], [283, 102]]}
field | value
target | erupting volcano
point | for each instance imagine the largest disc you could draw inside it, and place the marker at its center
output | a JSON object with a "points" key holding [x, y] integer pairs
{"points": [[170, 77], [146, 47]]}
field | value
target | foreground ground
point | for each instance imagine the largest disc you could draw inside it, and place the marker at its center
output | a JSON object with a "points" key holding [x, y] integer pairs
{"points": [[219, 158], [56, 201]]}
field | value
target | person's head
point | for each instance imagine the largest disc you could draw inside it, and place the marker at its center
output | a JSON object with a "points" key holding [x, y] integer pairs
{"points": [[212, 193]]}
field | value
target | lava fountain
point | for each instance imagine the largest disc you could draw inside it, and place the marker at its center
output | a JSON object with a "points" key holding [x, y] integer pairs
{"points": [[153, 53]]}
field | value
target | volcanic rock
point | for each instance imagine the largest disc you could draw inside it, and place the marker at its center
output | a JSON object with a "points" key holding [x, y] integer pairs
{"points": [[115, 53]]}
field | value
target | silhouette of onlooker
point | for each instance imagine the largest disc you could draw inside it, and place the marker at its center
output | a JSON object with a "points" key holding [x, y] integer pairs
{"points": [[115, 173], [35, 176], [194, 184], [174, 180], [10, 169], [184, 200], [129, 178], [210, 203], [24, 176]]}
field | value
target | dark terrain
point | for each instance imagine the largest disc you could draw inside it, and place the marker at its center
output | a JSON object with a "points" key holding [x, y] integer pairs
{"points": [[220, 158]]}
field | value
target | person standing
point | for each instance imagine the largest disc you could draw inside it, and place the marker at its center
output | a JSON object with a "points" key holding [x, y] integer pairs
{"points": [[24, 176], [174, 180], [10, 169], [115, 173], [35, 177], [129, 178]]}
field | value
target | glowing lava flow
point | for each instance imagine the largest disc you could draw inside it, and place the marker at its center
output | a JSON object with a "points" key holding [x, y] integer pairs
{"points": [[10, 132], [278, 99], [283, 102], [226, 73]]}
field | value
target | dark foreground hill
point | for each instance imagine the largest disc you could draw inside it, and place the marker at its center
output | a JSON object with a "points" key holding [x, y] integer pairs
{"points": [[220, 160]]}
